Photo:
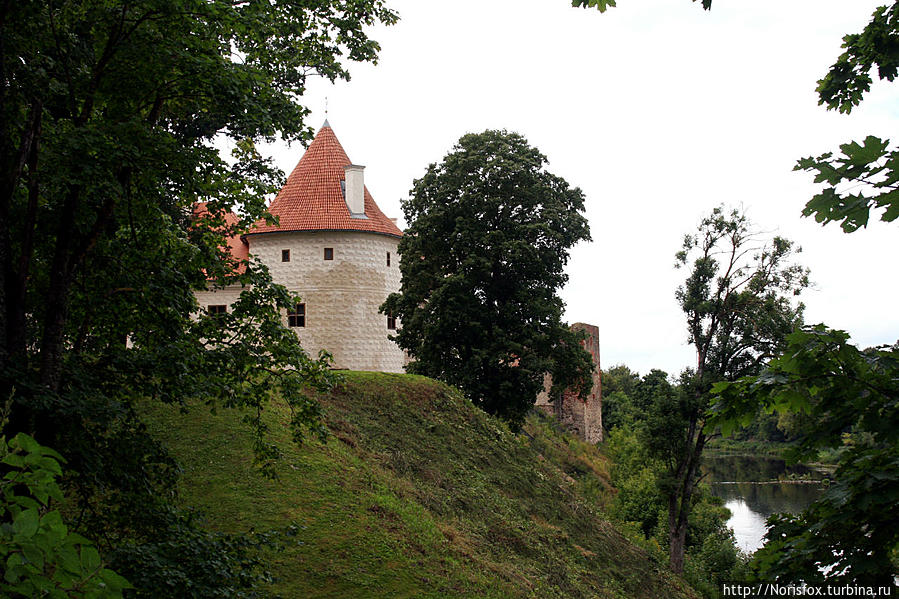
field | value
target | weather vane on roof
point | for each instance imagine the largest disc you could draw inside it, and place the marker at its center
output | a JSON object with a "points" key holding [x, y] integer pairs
{"points": [[326, 107]]}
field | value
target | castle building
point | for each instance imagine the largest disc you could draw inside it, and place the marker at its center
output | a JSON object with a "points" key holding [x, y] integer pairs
{"points": [[334, 248]]}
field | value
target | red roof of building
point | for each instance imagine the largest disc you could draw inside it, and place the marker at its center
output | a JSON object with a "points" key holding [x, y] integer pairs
{"points": [[312, 198], [237, 247]]}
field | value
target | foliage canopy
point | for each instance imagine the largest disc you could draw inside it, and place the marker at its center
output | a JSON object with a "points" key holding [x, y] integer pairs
{"points": [[110, 111]]}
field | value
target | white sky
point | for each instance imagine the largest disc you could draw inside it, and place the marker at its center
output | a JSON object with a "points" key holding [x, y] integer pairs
{"points": [[658, 111]]}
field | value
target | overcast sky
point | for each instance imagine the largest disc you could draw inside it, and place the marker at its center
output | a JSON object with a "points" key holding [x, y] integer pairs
{"points": [[658, 111]]}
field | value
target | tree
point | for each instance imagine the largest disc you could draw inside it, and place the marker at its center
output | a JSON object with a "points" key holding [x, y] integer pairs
{"points": [[627, 397], [109, 113], [620, 378], [641, 446], [482, 261], [107, 117], [41, 557], [738, 301]]}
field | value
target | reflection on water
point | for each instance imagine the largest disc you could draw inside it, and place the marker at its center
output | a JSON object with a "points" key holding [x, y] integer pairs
{"points": [[751, 491], [748, 526]]}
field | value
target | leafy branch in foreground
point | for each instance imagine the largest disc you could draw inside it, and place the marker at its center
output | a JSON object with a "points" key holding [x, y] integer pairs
{"points": [[852, 396], [849, 79], [41, 557], [870, 168]]}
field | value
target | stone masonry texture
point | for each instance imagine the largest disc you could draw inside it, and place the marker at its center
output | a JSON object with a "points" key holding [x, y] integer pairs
{"points": [[581, 417]]}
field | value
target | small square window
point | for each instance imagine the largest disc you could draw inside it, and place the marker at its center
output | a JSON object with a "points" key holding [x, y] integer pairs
{"points": [[329, 253], [388, 258], [285, 255], [214, 310], [391, 322], [297, 318]]}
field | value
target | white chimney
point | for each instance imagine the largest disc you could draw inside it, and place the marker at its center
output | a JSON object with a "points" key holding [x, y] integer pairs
{"points": [[354, 193]]}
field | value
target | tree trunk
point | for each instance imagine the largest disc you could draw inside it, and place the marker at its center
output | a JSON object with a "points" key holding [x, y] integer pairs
{"points": [[18, 271], [677, 546], [56, 304], [680, 502], [13, 272]]}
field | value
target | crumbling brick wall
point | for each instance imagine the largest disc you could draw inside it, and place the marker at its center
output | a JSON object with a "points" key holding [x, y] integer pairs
{"points": [[582, 417]]}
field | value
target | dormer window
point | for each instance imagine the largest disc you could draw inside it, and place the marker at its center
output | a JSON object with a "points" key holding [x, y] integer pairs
{"points": [[285, 255], [329, 253]]}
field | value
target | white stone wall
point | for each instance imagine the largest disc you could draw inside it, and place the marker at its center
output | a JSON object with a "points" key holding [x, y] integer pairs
{"points": [[342, 295], [226, 296]]}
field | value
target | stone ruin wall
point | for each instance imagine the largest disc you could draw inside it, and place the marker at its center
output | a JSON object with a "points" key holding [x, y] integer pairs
{"points": [[581, 417]]}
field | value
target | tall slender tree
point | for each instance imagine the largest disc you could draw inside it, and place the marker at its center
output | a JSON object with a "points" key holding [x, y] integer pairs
{"points": [[738, 302]]}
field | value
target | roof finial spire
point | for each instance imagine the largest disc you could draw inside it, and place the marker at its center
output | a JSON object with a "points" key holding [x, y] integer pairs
{"points": [[326, 123]]}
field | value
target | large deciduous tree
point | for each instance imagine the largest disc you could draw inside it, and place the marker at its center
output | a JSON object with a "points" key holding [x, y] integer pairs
{"points": [[110, 111], [482, 262], [738, 301]]}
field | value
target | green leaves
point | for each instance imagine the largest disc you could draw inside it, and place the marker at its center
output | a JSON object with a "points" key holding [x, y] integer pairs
{"points": [[849, 79], [601, 5], [863, 178], [41, 556], [852, 397]]}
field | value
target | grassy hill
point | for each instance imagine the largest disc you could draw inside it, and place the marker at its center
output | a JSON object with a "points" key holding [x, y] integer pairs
{"points": [[416, 494]]}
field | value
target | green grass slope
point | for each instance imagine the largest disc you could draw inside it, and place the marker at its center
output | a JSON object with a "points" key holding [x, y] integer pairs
{"points": [[416, 494]]}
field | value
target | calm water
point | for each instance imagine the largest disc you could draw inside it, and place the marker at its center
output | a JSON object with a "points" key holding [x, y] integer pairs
{"points": [[751, 491]]}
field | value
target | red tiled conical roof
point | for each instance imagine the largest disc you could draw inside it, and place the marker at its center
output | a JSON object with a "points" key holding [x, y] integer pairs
{"points": [[312, 199]]}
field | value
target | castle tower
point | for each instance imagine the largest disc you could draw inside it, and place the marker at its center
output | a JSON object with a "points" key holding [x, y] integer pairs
{"points": [[334, 248]]}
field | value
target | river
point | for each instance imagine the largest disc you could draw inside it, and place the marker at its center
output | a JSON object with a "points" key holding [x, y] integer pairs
{"points": [[754, 487]]}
